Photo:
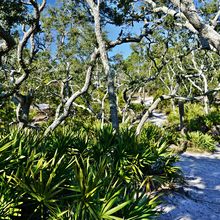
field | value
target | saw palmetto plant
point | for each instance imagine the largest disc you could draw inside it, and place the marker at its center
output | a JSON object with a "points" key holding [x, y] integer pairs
{"points": [[83, 174]]}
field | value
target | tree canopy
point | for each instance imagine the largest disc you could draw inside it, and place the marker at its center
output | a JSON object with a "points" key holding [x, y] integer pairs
{"points": [[59, 54]]}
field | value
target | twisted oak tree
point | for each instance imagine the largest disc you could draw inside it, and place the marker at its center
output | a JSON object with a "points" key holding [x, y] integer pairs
{"points": [[190, 19]]}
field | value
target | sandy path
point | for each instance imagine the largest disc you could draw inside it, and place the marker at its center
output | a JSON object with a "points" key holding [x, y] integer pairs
{"points": [[199, 199]]}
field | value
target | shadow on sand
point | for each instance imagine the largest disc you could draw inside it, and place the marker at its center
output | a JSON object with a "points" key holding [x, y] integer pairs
{"points": [[199, 199]]}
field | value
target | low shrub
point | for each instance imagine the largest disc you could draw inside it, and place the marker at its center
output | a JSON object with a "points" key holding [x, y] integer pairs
{"points": [[173, 118], [195, 120], [201, 142], [212, 119], [192, 111], [86, 173], [209, 123]]}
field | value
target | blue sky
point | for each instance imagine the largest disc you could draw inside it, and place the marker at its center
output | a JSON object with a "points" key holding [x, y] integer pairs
{"points": [[51, 2], [113, 32]]}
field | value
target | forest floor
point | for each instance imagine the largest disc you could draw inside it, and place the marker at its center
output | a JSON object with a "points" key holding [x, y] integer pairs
{"points": [[199, 198]]}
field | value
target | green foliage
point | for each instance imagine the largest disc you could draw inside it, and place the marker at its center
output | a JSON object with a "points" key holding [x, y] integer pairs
{"points": [[7, 113], [169, 21], [212, 119], [199, 141], [195, 118], [12, 12], [193, 110], [210, 7], [87, 173], [197, 123], [136, 107], [190, 112], [8, 200], [207, 124], [202, 130], [120, 12], [152, 133]]}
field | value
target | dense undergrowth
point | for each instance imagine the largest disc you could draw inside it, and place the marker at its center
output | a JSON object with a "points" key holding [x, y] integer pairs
{"points": [[81, 172], [86, 173], [202, 130]]}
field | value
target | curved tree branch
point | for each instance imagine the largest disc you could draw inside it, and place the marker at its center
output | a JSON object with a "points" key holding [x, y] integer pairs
{"points": [[167, 97], [209, 38]]}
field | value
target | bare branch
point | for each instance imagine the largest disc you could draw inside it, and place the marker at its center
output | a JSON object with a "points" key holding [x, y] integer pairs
{"points": [[104, 58], [206, 31], [214, 21], [27, 35], [83, 107], [209, 38], [125, 40], [167, 97], [67, 106]]}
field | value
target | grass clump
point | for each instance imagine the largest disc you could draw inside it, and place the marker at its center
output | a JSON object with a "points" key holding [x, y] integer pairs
{"points": [[201, 142]]}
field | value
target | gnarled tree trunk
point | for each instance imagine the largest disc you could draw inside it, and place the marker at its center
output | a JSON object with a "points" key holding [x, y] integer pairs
{"points": [[104, 57], [23, 108]]}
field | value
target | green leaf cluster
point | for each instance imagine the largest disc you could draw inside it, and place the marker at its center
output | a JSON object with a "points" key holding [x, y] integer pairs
{"points": [[82, 173]]}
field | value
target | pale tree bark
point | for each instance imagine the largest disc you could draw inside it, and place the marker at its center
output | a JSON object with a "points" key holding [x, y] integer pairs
{"points": [[167, 97], [209, 38], [127, 100], [29, 34], [188, 8], [201, 75], [24, 70], [24, 101], [171, 83], [60, 117], [181, 114], [149, 112], [66, 107], [23, 108], [206, 99], [104, 57], [103, 110], [204, 89]]}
